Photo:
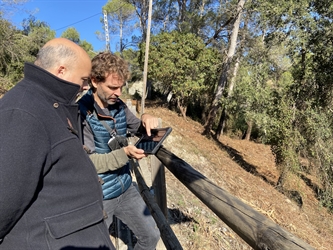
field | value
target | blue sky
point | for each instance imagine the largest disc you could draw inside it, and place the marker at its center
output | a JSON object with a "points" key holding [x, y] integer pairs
{"points": [[83, 15]]}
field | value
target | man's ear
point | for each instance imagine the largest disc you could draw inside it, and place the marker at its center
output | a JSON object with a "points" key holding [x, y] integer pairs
{"points": [[60, 71], [93, 82]]}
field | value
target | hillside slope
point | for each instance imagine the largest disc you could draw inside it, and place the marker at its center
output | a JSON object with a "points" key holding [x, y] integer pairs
{"points": [[246, 170]]}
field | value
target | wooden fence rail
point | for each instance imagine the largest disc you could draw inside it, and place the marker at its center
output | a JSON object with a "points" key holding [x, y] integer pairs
{"points": [[258, 231]]}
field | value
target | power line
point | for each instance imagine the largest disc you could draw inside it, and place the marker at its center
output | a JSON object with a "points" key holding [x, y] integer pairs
{"points": [[99, 13]]}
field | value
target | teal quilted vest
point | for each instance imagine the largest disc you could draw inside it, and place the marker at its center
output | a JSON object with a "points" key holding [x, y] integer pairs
{"points": [[118, 181]]}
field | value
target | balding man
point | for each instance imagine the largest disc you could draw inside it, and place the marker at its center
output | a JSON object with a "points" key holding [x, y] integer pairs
{"points": [[50, 197]]}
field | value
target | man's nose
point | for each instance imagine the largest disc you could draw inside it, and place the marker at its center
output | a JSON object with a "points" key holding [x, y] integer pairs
{"points": [[85, 86], [118, 92]]}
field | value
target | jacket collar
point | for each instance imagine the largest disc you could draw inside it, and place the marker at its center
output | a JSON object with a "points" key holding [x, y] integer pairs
{"points": [[53, 86]]}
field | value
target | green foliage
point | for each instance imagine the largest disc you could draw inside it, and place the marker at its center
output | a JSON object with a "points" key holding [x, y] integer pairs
{"points": [[262, 97], [296, 118], [313, 92], [120, 15], [88, 48], [202, 18], [72, 34], [20, 46], [9, 46], [37, 33], [132, 56], [316, 127], [119, 9], [182, 64]]}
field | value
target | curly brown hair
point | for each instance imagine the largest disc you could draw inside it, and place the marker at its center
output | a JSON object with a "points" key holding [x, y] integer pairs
{"points": [[106, 63]]}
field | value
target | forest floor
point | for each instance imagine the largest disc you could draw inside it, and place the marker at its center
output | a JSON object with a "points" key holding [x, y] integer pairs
{"points": [[247, 171]]}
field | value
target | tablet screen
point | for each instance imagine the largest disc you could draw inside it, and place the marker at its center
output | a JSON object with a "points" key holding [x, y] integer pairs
{"points": [[150, 144]]}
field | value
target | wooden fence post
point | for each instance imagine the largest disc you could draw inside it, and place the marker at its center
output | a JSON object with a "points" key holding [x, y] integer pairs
{"points": [[158, 181]]}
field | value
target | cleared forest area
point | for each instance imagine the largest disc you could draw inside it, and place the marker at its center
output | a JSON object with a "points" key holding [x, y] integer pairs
{"points": [[246, 170]]}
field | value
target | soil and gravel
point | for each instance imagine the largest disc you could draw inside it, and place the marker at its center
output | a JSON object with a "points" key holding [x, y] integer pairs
{"points": [[246, 170]]}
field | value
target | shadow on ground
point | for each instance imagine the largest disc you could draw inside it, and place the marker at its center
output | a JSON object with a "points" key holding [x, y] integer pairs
{"points": [[238, 158]]}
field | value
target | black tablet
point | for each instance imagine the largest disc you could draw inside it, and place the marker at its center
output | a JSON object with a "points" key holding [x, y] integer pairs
{"points": [[150, 144]]}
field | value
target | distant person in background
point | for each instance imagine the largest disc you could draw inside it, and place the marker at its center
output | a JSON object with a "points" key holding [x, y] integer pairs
{"points": [[50, 196], [106, 122]]}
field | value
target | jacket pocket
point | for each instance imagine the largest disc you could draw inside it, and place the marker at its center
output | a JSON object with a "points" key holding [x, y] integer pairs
{"points": [[67, 223]]}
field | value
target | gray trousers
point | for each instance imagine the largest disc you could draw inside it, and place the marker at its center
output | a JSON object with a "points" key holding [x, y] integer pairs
{"points": [[131, 209]]}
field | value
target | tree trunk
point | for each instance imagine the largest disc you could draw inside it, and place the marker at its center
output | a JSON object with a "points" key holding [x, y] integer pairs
{"points": [[224, 75], [182, 108], [205, 108], [220, 127], [182, 13], [145, 67], [233, 79], [141, 10], [248, 131]]}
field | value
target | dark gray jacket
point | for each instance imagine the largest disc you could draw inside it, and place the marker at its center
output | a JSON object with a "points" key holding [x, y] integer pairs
{"points": [[50, 197]]}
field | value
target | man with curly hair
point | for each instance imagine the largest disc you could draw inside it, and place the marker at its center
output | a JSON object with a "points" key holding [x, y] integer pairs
{"points": [[107, 119]]}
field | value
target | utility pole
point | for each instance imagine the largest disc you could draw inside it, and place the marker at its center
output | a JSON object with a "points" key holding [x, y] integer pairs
{"points": [[146, 59], [106, 30]]}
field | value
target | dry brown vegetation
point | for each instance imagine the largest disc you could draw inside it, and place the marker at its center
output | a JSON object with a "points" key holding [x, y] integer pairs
{"points": [[246, 170]]}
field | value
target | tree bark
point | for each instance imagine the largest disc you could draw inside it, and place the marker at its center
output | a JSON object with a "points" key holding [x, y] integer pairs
{"points": [[182, 108], [224, 75], [141, 9], [182, 12], [220, 127], [222, 122], [248, 131]]}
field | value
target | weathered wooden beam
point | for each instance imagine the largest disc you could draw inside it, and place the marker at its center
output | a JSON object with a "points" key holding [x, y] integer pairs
{"points": [[257, 230], [158, 183], [169, 238], [158, 180]]}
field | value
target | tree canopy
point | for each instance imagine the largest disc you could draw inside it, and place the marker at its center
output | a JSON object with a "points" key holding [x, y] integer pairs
{"points": [[180, 63]]}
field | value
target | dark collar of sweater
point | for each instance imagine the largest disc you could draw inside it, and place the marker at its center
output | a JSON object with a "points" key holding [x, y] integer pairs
{"points": [[53, 87]]}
